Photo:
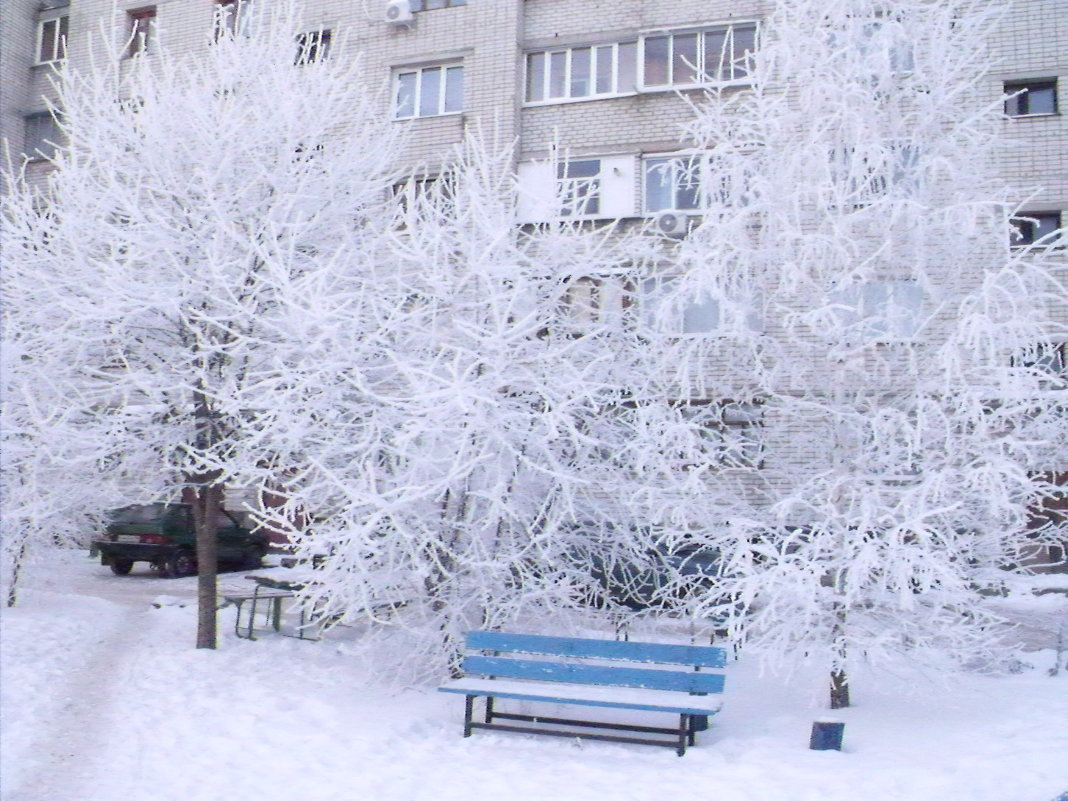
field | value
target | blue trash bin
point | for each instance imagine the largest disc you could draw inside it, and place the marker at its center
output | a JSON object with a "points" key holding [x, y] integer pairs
{"points": [[827, 735]]}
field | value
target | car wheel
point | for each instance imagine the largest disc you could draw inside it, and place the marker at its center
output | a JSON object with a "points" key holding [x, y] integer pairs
{"points": [[182, 563], [119, 566]]}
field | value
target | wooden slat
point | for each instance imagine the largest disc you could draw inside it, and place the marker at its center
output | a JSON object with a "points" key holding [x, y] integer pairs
{"points": [[612, 676], [694, 655]]}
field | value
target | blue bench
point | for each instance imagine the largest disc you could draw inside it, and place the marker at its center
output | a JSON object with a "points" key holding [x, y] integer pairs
{"points": [[672, 679]]}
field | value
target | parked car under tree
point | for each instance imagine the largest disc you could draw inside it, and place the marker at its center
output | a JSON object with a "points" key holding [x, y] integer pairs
{"points": [[164, 535]]}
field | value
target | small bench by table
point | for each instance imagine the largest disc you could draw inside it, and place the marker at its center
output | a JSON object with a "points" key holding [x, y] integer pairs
{"points": [[266, 599]]}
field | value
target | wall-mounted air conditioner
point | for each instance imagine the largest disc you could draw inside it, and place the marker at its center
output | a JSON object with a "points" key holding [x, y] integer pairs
{"points": [[399, 12], [672, 224]]}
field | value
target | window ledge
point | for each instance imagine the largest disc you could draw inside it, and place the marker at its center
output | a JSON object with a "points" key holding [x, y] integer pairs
{"points": [[1043, 115], [430, 116], [559, 101], [740, 83]]}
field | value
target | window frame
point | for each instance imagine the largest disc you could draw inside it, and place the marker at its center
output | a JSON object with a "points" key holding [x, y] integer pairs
{"points": [[709, 184], [739, 77], [31, 149], [579, 195], [1021, 90], [232, 18], [858, 309], [417, 101], [568, 53], [735, 422], [140, 41], [59, 39], [1030, 221], [419, 6], [313, 46]]}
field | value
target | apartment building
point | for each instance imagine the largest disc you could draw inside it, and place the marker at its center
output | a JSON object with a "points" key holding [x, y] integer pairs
{"points": [[593, 91], [598, 80]]}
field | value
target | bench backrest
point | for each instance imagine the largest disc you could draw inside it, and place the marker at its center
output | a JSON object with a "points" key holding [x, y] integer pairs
{"points": [[606, 670]]}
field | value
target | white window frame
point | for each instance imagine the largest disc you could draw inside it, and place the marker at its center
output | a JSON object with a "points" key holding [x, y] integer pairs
{"points": [[58, 38], [578, 193], [711, 185], [420, 74], [880, 310], [733, 429], [597, 52], [898, 171], [738, 75]]}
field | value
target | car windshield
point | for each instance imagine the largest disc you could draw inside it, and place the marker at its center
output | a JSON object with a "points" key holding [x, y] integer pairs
{"points": [[142, 513]]}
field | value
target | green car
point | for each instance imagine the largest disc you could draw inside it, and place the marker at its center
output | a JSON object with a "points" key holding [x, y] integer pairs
{"points": [[163, 535]]}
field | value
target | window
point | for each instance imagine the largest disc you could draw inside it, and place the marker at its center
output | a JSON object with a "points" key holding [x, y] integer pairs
{"points": [[879, 310], [140, 28], [1046, 357], [663, 314], [52, 39], [233, 18], [593, 301], [430, 5], [862, 176], [579, 72], [312, 46], [695, 57], [43, 136], [1036, 228], [672, 183], [430, 91], [1031, 98], [691, 182], [578, 185], [729, 432]]}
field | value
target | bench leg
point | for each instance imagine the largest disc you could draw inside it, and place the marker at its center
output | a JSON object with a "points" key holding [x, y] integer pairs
{"points": [[489, 709], [469, 707], [685, 734]]}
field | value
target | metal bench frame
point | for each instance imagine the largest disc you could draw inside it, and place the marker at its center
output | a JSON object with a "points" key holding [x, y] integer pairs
{"points": [[591, 663]]}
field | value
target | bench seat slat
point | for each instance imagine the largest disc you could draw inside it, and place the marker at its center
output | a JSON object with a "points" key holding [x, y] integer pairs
{"points": [[585, 695], [680, 681], [693, 655]]}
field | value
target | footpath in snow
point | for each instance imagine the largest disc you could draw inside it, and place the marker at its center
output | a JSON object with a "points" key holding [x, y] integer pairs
{"points": [[105, 699]]}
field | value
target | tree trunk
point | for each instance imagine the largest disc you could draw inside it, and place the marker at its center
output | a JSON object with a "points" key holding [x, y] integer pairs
{"points": [[839, 679], [206, 510], [16, 574], [839, 689]]}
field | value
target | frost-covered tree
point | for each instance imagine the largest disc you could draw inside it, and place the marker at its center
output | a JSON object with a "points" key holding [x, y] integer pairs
{"points": [[450, 462], [209, 217], [855, 246]]}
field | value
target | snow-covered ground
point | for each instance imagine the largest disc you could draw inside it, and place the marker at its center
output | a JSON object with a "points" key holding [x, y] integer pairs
{"points": [[105, 699]]}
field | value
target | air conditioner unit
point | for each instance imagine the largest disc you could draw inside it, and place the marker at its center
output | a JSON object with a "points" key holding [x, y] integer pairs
{"points": [[672, 224], [399, 12]]}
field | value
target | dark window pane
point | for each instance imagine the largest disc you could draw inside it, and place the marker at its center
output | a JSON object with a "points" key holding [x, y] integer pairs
{"points": [[454, 89], [656, 61], [406, 83], [717, 55], [685, 67], [536, 76], [627, 78], [557, 74], [430, 92], [603, 68], [581, 73]]}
